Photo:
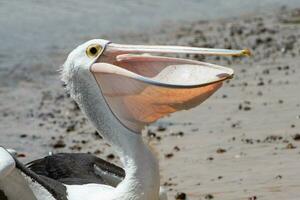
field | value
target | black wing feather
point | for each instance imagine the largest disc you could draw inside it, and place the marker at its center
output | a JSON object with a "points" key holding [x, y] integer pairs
{"points": [[74, 168]]}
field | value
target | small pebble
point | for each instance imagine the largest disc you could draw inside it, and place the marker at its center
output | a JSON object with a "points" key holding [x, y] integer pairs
{"points": [[70, 128], [290, 146], [97, 151], [252, 198], [161, 128], [21, 155], [180, 133], [169, 155], [176, 148], [151, 134], [180, 196], [278, 177], [297, 137], [293, 126], [247, 108], [220, 150], [110, 156], [59, 144], [210, 158], [209, 196]]}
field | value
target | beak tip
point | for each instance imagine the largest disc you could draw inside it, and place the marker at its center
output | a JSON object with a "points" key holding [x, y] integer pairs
{"points": [[246, 52]]}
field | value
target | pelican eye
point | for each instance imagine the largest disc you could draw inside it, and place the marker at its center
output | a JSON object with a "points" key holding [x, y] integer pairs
{"points": [[93, 50]]}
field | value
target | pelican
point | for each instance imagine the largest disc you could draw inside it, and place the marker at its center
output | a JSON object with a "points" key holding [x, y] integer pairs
{"points": [[121, 89]]}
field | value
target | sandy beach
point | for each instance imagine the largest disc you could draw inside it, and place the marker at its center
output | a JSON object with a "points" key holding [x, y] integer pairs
{"points": [[243, 143]]}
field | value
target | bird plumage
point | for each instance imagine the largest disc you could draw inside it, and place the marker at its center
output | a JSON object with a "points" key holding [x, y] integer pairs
{"points": [[77, 169]]}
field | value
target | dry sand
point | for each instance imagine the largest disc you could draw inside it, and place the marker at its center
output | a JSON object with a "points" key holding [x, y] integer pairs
{"points": [[242, 143]]}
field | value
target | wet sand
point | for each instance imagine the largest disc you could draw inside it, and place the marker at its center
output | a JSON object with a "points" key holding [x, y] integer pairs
{"points": [[242, 143]]}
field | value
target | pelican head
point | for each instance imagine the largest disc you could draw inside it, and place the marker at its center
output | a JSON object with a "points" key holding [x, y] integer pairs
{"points": [[81, 58], [140, 88]]}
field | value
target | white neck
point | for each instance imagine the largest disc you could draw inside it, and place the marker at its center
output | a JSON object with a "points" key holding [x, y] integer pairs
{"points": [[141, 167], [142, 173]]}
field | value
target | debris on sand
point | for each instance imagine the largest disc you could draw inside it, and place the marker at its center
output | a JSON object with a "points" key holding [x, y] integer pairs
{"points": [[169, 155], [70, 127], [210, 158], [151, 134], [296, 137], [290, 146], [179, 134], [59, 144], [21, 155], [176, 148], [252, 198], [246, 106], [23, 135], [98, 151], [180, 196], [161, 128], [278, 177], [221, 150], [76, 147], [208, 196], [272, 138], [110, 156]]}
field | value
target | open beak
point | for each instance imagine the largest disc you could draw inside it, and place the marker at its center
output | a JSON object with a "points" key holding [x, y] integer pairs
{"points": [[142, 88]]}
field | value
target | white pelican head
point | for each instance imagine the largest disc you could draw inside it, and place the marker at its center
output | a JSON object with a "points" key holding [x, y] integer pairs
{"points": [[140, 88]]}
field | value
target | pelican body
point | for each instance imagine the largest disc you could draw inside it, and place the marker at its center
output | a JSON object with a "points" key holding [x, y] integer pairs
{"points": [[120, 88]]}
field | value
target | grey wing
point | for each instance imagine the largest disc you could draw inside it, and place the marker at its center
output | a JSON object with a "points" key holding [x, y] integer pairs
{"points": [[78, 169]]}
